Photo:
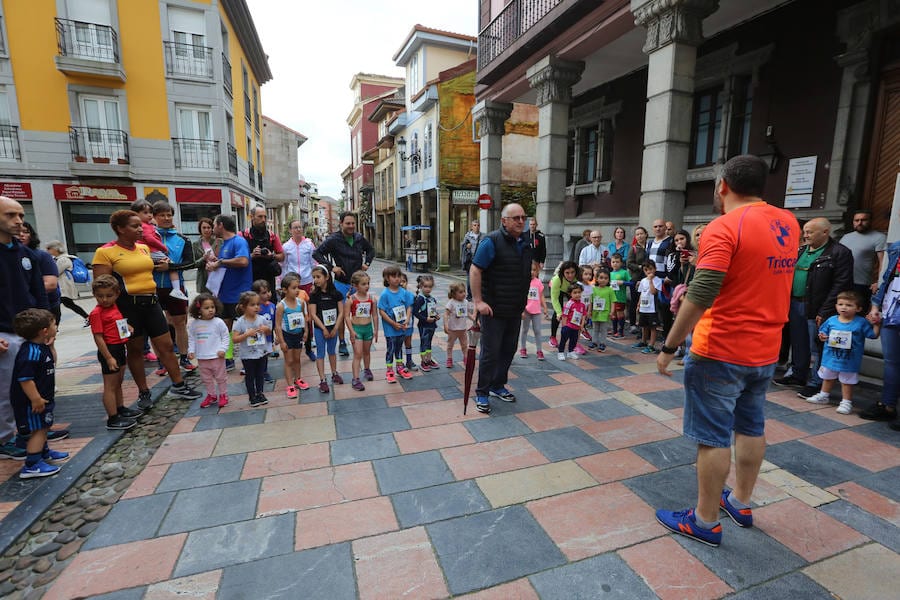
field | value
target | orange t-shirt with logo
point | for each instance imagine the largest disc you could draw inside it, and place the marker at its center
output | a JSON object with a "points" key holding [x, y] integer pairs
{"points": [[756, 247]]}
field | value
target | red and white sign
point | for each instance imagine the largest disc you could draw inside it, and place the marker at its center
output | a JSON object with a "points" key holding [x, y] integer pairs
{"points": [[198, 195], [485, 202], [62, 191], [237, 200], [16, 190]]}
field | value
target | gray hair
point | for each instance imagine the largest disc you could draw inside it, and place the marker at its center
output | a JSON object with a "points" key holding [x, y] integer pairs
{"points": [[55, 245]]}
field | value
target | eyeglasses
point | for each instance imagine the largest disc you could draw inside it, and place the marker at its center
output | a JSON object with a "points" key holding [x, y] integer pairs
{"points": [[516, 217]]}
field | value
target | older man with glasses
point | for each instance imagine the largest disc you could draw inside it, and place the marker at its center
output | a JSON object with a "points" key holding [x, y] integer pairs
{"points": [[500, 275], [594, 253]]}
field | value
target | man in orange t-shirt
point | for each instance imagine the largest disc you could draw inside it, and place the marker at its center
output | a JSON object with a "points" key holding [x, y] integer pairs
{"points": [[736, 306]]}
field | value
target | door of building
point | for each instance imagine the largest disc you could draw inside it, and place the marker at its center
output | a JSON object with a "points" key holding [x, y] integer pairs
{"points": [[883, 170]]}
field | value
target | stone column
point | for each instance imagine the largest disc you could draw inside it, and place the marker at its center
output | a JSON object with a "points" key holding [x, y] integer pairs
{"points": [[491, 118], [443, 229], [553, 79], [674, 31]]}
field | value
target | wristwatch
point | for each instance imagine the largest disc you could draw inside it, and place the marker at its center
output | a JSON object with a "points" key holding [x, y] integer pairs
{"points": [[667, 350]]}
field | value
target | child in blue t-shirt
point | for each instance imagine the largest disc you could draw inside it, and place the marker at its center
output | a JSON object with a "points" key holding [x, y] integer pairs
{"points": [[395, 308], [844, 336], [407, 341]]}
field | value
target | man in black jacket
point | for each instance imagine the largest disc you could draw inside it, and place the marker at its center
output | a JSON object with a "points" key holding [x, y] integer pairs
{"points": [[343, 253], [824, 268], [500, 276]]}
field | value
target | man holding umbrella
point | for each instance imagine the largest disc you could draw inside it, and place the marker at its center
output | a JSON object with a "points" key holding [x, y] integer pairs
{"points": [[500, 275]]}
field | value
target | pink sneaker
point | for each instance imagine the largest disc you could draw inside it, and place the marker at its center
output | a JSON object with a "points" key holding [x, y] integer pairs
{"points": [[300, 384], [553, 343], [208, 401], [523, 353], [404, 373], [540, 355], [579, 349], [291, 392], [223, 400], [389, 376], [449, 363]]}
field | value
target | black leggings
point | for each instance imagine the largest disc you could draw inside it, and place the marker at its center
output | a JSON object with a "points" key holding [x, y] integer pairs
{"points": [[254, 368], [70, 304]]}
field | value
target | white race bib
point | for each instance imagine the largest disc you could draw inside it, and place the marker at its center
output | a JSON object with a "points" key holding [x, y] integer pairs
{"points": [[256, 340], [363, 309], [399, 314], [575, 319], [645, 301], [599, 303], [122, 326], [840, 339], [614, 284], [460, 311], [295, 320], [432, 311], [329, 316], [532, 293]]}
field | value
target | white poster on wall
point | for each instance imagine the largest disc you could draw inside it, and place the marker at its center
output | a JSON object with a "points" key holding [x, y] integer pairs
{"points": [[801, 175]]}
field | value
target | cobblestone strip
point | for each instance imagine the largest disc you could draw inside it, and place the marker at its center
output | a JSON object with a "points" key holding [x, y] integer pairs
{"points": [[34, 560]]}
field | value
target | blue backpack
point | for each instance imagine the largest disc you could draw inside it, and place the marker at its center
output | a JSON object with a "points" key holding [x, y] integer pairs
{"points": [[80, 272]]}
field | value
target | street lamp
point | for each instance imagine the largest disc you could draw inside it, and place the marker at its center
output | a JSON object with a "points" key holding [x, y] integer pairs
{"points": [[415, 158]]}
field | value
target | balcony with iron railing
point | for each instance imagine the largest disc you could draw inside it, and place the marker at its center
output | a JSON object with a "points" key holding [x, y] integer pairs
{"points": [[88, 49], [524, 25], [232, 160], [251, 175], [196, 154], [99, 146], [188, 61], [226, 74], [9, 143]]}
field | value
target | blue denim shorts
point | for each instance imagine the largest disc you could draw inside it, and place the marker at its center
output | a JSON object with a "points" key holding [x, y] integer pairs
{"points": [[721, 397]]}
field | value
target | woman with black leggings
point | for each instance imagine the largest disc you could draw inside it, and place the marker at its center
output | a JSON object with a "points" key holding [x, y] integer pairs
{"points": [[67, 289]]}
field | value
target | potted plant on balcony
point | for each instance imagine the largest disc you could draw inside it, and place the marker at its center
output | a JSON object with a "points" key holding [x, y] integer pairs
{"points": [[80, 158], [122, 161], [101, 159]]}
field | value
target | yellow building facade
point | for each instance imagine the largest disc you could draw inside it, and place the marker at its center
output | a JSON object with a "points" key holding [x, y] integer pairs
{"points": [[106, 101]]}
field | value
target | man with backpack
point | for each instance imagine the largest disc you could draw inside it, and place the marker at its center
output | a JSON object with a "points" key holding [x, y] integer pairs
{"points": [[265, 248]]}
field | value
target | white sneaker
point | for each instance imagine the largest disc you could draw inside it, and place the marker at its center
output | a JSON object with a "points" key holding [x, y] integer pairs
{"points": [[820, 398], [845, 408], [178, 295], [573, 355], [561, 356]]}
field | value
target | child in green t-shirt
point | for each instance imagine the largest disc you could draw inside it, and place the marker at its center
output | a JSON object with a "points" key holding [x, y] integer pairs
{"points": [[618, 281], [602, 299]]}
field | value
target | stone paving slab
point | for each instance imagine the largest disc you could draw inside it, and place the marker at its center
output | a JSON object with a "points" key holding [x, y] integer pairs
{"points": [[393, 490]]}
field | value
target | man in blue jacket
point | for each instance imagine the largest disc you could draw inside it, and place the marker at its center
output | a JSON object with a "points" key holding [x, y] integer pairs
{"points": [[21, 287]]}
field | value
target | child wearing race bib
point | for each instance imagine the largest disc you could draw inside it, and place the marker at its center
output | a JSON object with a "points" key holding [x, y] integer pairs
{"points": [[587, 286], [425, 311], [249, 334], [647, 289], [363, 326], [291, 319], [326, 311], [208, 342], [395, 308], [844, 336], [602, 299], [619, 279], [458, 314], [574, 316], [266, 308], [407, 340], [111, 331], [535, 308]]}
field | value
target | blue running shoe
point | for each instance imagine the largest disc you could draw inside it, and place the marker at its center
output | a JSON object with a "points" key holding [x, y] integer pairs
{"points": [[743, 517], [482, 404], [40, 469], [639, 345], [55, 456], [504, 394], [685, 523]]}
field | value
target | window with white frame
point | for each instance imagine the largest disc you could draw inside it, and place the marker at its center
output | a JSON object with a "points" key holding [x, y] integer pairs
{"points": [[427, 149], [414, 148], [195, 145], [101, 133], [412, 75]]}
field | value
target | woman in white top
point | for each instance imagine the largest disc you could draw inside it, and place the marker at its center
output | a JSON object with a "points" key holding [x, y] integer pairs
{"points": [[298, 255]]}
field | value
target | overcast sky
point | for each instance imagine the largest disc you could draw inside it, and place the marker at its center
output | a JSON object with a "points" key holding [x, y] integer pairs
{"points": [[316, 46]]}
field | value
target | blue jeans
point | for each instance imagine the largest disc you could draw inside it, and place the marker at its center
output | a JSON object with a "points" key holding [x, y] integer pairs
{"points": [[890, 347], [815, 352], [799, 332], [722, 397]]}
